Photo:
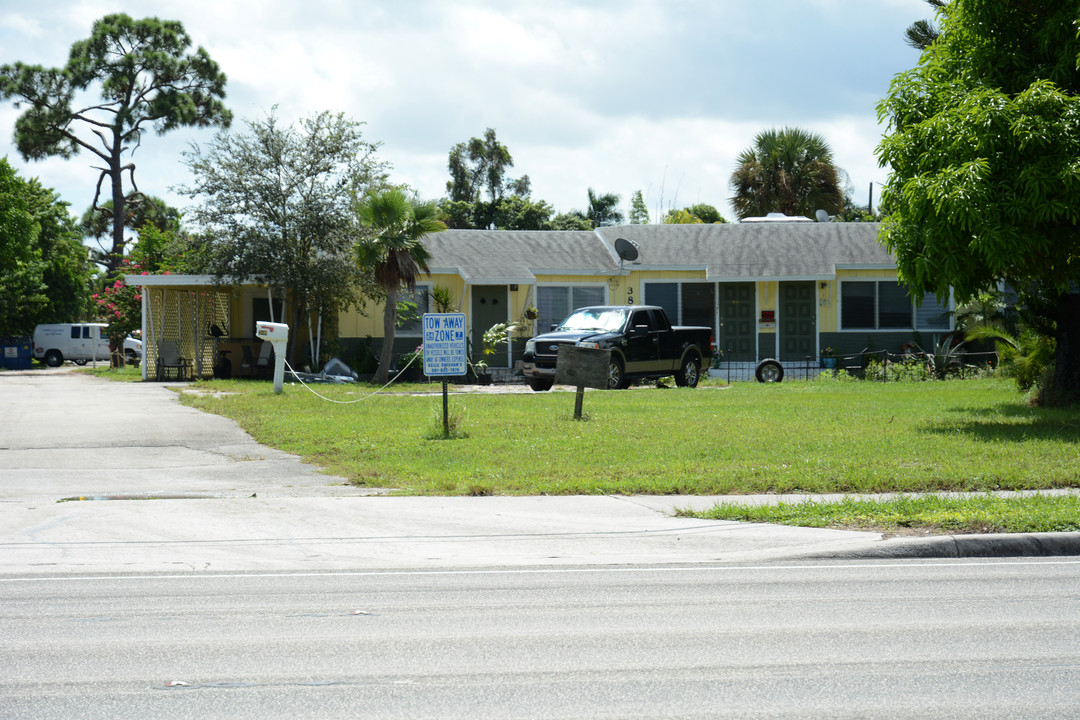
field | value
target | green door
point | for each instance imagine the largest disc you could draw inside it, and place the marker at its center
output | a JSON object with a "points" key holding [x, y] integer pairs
{"points": [[735, 336], [490, 306], [797, 320]]}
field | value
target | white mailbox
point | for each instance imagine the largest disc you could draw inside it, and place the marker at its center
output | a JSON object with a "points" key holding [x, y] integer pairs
{"points": [[272, 331], [277, 334]]}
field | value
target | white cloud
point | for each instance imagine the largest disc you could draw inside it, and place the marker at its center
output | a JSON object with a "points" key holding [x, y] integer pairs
{"points": [[21, 24]]}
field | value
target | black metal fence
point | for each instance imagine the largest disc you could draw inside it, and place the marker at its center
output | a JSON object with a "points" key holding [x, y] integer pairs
{"points": [[885, 365], [876, 365]]}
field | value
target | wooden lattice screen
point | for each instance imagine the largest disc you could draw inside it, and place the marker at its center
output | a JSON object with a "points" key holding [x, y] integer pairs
{"points": [[188, 317]]}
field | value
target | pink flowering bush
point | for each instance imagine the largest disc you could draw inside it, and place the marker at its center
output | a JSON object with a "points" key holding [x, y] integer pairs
{"points": [[120, 306]]}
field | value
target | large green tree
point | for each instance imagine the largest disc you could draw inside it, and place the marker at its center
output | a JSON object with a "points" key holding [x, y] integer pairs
{"points": [[478, 178], [391, 234], [983, 138], [639, 211], [573, 220], [146, 78], [275, 207], [789, 171], [140, 210], [517, 212], [700, 213], [44, 270]]}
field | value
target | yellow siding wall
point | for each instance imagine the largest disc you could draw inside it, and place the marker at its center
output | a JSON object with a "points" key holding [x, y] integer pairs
{"points": [[620, 288]]}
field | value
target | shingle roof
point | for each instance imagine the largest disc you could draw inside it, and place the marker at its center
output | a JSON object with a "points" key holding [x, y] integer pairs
{"points": [[517, 256], [756, 251], [751, 251]]}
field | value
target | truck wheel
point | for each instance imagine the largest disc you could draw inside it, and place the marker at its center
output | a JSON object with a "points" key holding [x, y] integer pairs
{"points": [[53, 358], [616, 378], [541, 385], [80, 363], [769, 371], [689, 374]]}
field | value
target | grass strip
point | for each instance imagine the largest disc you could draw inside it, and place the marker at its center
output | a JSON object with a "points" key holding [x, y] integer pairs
{"points": [[128, 373], [927, 514]]}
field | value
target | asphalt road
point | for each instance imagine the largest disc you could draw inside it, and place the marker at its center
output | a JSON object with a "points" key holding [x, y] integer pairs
{"points": [[934, 639]]}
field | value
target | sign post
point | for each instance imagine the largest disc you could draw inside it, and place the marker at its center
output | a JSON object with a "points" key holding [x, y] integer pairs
{"points": [[584, 367], [445, 352]]}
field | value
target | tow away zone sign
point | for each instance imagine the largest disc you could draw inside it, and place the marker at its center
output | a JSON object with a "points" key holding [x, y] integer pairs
{"points": [[444, 344]]}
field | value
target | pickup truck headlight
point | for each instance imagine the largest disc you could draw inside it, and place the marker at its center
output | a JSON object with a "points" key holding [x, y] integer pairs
{"points": [[530, 347], [589, 344]]}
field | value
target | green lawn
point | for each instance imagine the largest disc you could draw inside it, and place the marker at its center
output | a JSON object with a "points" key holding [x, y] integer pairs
{"points": [[793, 437]]}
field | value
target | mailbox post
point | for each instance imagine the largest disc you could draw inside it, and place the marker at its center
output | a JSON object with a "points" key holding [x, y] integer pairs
{"points": [[277, 334]]}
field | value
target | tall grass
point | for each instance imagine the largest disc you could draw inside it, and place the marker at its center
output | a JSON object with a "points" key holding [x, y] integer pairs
{"points": [[974, 435]]}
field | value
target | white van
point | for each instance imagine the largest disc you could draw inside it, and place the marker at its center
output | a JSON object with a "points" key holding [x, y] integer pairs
{"points": [[77, 342]]}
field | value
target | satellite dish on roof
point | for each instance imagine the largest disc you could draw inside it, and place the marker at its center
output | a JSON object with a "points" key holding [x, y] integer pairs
{"points": [[822, 216], [627, 249]]}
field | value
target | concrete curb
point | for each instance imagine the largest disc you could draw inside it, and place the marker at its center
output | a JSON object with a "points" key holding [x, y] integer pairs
{"points": [[964, 546]]}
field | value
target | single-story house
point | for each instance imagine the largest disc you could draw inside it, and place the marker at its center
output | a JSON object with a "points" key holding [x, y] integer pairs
{"points": [[788, 290]]}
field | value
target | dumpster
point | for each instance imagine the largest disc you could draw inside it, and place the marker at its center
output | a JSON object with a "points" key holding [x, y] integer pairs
{"points": [[17, 352]]}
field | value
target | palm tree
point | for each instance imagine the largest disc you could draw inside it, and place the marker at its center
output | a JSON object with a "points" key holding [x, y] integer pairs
{"points": [[392, 247], [604, 209], [789, 171]]}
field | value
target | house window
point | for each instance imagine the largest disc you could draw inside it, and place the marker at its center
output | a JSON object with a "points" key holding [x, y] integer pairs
{"points": [[666, 295], [413, 309], [857, 305], [687, 303], [886, 305], [260, 312], [555, 302], [894, 306]]}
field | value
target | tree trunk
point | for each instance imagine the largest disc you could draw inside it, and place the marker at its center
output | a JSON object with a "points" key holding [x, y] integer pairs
{"points": [[116, 255], [1064, 387], [382, 375]]}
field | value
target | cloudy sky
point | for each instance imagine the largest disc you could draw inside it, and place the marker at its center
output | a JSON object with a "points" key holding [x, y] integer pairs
{"points": [[651, 95]]}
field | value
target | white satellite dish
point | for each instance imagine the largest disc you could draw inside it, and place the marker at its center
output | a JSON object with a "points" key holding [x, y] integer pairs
{"points": [[822, 216]]}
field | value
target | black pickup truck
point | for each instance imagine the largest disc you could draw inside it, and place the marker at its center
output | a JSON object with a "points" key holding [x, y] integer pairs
{"points": [[643, 344]]}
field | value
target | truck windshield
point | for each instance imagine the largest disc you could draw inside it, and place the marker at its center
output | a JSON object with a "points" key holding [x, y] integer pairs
{"points": [[599, 319]]}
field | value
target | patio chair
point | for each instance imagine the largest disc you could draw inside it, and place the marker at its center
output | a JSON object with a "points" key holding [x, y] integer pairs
{"points": [[262, 365], [169, 361], [257, 366]]}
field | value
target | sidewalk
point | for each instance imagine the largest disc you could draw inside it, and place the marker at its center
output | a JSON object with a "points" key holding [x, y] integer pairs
{"points": [[103, 477]]}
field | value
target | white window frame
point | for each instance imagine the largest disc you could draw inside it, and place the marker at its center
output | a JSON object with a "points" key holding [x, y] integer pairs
{"points": [[913, 319]]}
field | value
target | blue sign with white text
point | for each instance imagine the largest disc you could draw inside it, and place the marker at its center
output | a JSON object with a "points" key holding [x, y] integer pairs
{"points": [[445, 349]]}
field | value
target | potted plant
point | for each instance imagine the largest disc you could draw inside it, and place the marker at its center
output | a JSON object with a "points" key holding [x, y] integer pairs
{"points": [[480, 369], [828, 358], [498, 334]]}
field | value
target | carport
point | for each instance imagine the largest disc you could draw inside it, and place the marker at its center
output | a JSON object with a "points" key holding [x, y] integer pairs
{"points": [[184, 318]]}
